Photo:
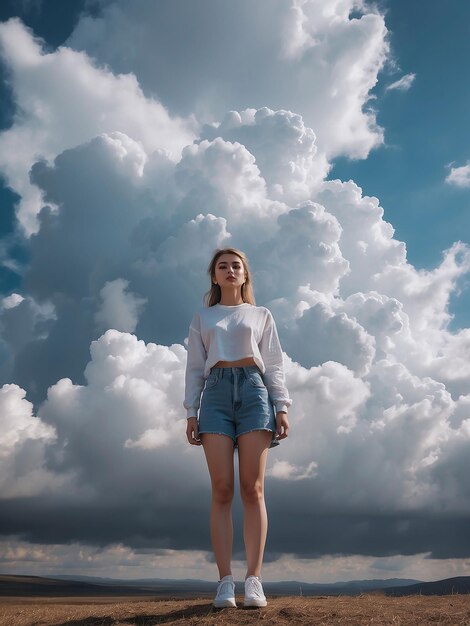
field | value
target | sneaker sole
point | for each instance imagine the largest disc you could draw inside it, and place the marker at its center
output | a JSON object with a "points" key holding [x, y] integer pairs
{"points": [[258, 603], [224, 604]]}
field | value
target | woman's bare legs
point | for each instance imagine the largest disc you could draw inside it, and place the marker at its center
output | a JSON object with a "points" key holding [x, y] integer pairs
{"points": [[252, 456], [219, 455]]}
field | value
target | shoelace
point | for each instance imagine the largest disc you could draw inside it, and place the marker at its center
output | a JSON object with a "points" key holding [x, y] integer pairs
{"points": [[254, 587]]}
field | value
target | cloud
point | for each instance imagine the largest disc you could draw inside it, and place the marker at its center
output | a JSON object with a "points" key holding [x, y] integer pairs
{"points": [[118, 560], [11, 301], [22, 321], [387, 442], [283, 469], [46, 88], [134, 199], [378, 261], [284, 149], [307, 56], [459, 176], [367, 351], [22, 447], [119, 309], [319, 333], [402, 84], [131, 399]]}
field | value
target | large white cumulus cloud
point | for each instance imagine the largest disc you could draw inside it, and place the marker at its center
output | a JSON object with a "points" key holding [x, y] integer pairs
{"points": [[22, 447], [374, 412], [293, 168], [133, 203], [309, 56], [63, 99]]}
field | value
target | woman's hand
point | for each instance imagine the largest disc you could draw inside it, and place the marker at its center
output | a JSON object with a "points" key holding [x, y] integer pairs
{"points": [[191, 428], [282, 425]]}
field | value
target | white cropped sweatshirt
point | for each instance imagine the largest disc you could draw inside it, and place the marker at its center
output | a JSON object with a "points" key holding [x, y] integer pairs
{"points": [[229, 333]]}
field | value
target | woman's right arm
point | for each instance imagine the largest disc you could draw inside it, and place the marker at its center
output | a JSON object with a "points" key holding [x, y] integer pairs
{"points": [[196, 360]]}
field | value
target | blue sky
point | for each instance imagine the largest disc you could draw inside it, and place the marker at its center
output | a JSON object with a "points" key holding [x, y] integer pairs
{"points": [[426, 129], [138, 137]]}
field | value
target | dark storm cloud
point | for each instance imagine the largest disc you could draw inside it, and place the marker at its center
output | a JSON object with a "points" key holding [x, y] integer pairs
{"points": [[143, 522]]}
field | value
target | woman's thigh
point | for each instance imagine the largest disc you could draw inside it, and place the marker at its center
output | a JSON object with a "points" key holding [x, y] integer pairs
{"points": [[252, 456], [219, 456]]}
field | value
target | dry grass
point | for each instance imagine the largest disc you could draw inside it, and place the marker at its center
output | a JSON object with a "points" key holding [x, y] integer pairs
{"points": [[367, 609]]}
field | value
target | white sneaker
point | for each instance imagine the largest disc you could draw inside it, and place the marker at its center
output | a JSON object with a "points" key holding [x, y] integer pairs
{"points": [[225, 593], [254, 595]]}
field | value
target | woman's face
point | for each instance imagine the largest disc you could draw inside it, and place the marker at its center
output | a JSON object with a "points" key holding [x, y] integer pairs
{"points": [[229, 270]]}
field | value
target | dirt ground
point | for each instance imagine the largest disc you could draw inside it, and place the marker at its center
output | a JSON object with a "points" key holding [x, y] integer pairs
{"points": [[326, 610]]}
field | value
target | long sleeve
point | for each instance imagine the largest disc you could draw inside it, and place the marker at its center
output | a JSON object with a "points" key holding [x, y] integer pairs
{"points": [[194, 377], [271, 352]]}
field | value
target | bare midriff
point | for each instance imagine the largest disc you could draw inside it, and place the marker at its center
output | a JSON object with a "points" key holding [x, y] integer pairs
{"points": [[240, 363]]}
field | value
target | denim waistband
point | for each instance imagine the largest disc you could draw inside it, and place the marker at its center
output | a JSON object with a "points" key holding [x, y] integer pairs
{"points": [[228, 370]]}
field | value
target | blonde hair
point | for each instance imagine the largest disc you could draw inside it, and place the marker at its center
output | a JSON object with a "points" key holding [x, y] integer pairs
{"points": [[214, 294]]}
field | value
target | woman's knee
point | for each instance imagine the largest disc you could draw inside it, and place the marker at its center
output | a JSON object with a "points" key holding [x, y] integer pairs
{"points": [[219, 454], [251, 492], [222, 491]]}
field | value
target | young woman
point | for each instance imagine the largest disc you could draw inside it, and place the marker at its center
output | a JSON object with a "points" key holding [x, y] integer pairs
{"points": [[235, 361]]}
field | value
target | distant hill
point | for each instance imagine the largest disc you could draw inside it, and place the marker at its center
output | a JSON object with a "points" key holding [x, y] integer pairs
{"points": [[15, 585], [459, 584], [40, 586]]}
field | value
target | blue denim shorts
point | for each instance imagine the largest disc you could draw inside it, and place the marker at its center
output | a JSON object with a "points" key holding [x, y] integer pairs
{"points": [[235, 401]]}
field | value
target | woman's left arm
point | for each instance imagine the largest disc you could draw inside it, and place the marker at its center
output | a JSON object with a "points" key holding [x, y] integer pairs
{"points": [[271, 353]]}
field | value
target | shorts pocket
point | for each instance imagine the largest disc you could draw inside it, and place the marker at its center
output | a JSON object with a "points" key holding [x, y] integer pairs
{"points": [[256, 379], [211, 380]]}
